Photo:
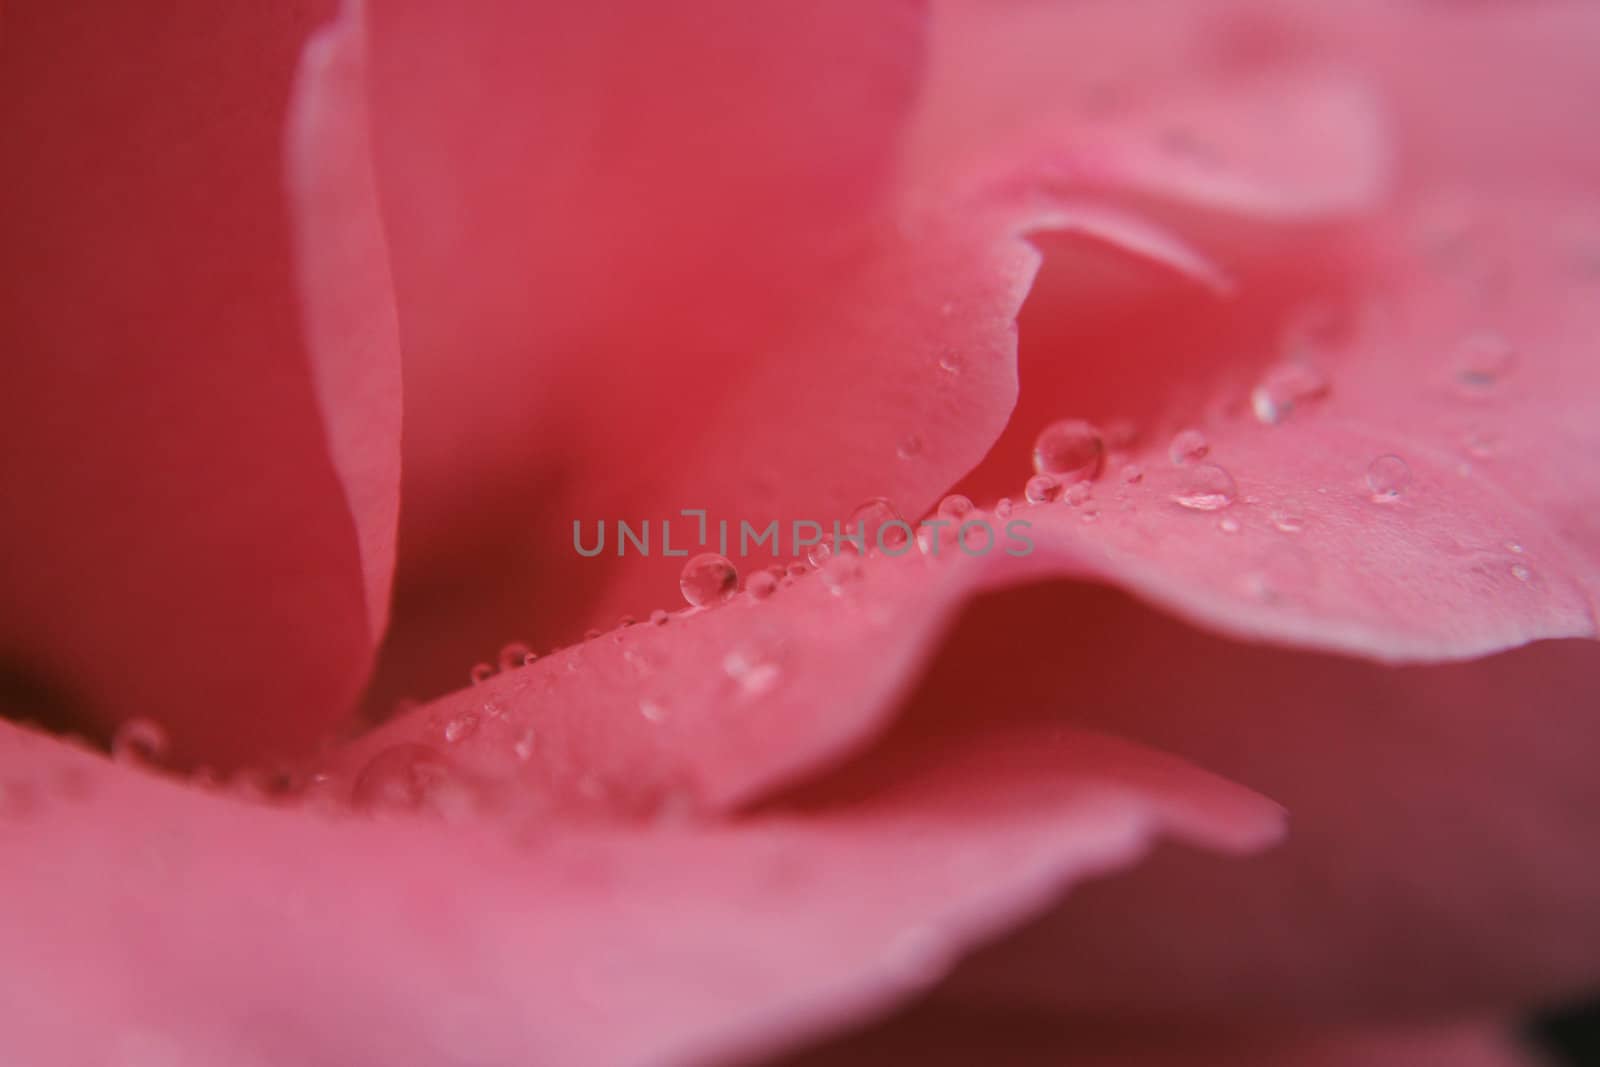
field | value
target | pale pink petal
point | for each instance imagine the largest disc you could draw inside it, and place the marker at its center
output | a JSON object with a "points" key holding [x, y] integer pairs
{"points": [[941, 1031], [177, 543], [159, 923]]}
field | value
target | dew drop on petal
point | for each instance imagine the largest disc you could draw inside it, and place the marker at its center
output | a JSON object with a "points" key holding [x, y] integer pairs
{"points": [[753, 674], [708, 580], [1228, 526], [761, 584], [909, 447], [652, 710], [1188, 446], [1284, 389], [460, 727], [1003, 507], [400, 778], [1077, 494], [1521, 572], [1205, 487], [1515, 547], [515, 655], [139, 741], [1288, 523], [879, 523], [1482, 359], [1388, 476], [1132, 474], [1071, 449], [841, 572], [1043, 489], [1090, 515], [819, 553], [659, 617], [480, 673], [525, 744], [798, 570], [955, 507], [950, 363]]}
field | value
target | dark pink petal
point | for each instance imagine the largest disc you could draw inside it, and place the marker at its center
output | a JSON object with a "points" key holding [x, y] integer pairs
{"points": [[177, 544], [940, 1031], [156, 922]]}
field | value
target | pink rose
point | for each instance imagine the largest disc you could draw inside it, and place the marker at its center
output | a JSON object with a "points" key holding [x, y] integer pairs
{"points": [[1290, 307]]}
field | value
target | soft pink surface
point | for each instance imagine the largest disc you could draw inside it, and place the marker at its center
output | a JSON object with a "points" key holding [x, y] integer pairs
{"points": [[232, 933], [177, 543]]}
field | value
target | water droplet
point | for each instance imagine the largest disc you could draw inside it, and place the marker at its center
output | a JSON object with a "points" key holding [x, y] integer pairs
{"points": [[841, 572], [761, 585], [626, 621], [525, 744], [1284, 389], [1043, 489], [1003, 507], [754, 674], [652, 710], [515, 655], [880, 525], [480, 673], [1480, 444], [955, 507], [950, 363], [1515, 547], [659, 617], [1205, 487], [819, 553], [400, 778], [1520, 572], [708, 580], [1188, 446], [1132, 474], [798, 570], [1228, 526], [1077, 494], [460, 727], [1071, 449], [1090, 515], [139, 741], [1388, 476], [1288, 523], [1483, 359], [910, 447]]}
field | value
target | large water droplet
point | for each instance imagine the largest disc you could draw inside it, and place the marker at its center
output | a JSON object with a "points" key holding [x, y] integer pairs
{"points": [[1388, 476], [1205, 487], [515, 655], [1285, 388], [400, 778], [1483, 359], [1188, 446], [1070, 449], [1043, 489], [708, 580], [819, 553], [139, 741]]}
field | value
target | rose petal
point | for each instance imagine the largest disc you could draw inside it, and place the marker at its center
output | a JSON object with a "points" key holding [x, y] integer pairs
{"points": [[197, 929], [345, 289], [862, 347], [1440, 858], [939, 1031], [180, 546]]}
